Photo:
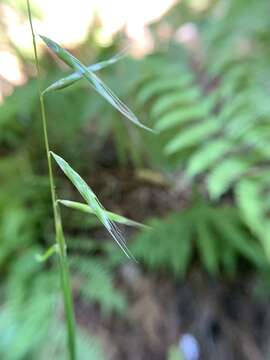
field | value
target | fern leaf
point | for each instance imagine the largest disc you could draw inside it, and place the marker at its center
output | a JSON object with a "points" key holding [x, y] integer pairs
{"points": [[206, 244], [162, 85], [207, 156], [231, 230], [238, 102], [251, 203], [179, 116], [97, 284], [224, 174], [167, 244], [166, 102], [191, 136]]}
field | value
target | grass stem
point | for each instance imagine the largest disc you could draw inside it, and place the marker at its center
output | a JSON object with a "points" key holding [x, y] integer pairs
{"points": [[60, 240]]}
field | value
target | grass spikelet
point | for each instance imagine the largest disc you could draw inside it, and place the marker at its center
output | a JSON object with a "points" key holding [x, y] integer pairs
{"points": [[95, 205], [94, 81], [73, 78]]}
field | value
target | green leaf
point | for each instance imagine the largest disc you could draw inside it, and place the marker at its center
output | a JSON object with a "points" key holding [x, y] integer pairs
{"points": [[206, 243], [179, 116], [230, 229], [191, 136], [231, 107], [94, 81], [73, 78], [224, 174], [168, 101], [95, 205], [161, 85], [251, 201], [168, 243], [97, 285], [112, 216], [206, 156]]}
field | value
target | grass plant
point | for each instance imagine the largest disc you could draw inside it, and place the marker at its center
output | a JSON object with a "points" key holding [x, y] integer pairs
{"points": [[93, 205], [59, 234]]}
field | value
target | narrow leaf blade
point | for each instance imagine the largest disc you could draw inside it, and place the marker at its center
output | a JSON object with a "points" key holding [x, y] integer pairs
{"points": [[112, 216]]}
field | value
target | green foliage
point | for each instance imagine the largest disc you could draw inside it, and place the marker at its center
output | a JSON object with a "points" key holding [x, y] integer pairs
{"points": [[28, 312], [211, 107], [214, 116], [216, 234], [31, 307], [36, 291], [20, 218], [15, 115], [97, 285], [30, 294]]}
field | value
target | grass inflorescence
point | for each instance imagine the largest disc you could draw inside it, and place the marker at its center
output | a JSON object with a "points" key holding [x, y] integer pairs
{"points": [[92, 204]]}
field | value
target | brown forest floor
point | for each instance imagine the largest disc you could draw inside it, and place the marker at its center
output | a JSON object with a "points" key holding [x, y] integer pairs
{"points": [[225, 317]]}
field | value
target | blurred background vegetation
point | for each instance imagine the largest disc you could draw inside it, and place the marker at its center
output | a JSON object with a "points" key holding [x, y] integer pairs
{"points": [[198, 72]]}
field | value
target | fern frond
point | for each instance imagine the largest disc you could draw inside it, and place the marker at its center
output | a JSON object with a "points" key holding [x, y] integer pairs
{"points": [[218, 233]]}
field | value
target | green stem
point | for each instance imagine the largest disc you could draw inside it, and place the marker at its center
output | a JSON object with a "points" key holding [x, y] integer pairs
{"points": [[60, 240]]}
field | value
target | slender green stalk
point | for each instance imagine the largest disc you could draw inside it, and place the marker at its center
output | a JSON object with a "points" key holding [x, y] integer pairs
{"points": [[60, 240]]}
